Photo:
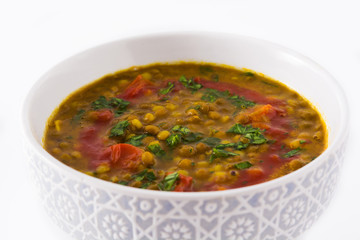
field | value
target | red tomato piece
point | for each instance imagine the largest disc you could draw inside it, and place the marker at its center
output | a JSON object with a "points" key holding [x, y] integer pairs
{"points": [[137, 88], [184, 184], [125, 156], [104, 115]]}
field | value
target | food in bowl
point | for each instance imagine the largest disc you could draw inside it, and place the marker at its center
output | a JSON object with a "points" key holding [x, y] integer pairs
{"points": [[185, 127]]}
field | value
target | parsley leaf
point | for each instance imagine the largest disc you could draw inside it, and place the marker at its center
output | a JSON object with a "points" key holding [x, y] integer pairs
{"points": [[167, 90], [192, 137], [211, 141], [243, 165], [240, 102], [136, 140], [190, 83], [173, 140], [183, 133], [168, 183], [144, 175], [181, 129], [253, 134], [119, 105], [220, 153], [119, 129], [292, 153], [211, 95], [156, 149]]}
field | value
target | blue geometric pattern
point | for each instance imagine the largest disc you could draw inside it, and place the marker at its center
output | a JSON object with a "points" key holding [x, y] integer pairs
{"points": [[281, 211]]}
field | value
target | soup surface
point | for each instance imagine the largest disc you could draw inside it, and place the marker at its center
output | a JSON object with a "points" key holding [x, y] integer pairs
{"points": [[185, 127]]}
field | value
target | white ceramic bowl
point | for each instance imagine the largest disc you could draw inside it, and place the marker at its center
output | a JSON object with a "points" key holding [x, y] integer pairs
{"points": [[89, 208]]}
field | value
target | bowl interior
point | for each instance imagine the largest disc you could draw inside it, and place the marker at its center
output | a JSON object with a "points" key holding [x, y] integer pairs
{"points": [[282, 64]]}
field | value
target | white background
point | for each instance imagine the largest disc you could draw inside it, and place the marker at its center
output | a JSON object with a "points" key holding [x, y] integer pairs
{"points": [[35, 35]]}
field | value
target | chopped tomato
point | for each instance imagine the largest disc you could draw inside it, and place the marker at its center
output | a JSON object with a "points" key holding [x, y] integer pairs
{"points": [[137, 88], [255, 173], [263, 113], [104, 115], [125, 156], [185, 184]]}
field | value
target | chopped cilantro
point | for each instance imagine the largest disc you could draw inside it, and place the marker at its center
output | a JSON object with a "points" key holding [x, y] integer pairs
{"points": [[181, 129], [253, 134], [170, 87], [173, 140], [211, 141], [212, 94], [292, 153], [182, 134], [119, 129], [78, 116], [190, 83], [240, 102], [168, 183], [136, 140], [243, 165], [118, 105], [192, 137], [144, 175], [237, 146], [220, 153], [123, 182], [156, 149]]}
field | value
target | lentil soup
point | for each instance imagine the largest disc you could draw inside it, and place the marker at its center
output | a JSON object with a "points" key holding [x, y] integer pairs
{"points": [[185, 127]]}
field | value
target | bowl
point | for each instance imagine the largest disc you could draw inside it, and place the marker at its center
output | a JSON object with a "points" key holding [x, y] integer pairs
{"points": [[90, 208]]}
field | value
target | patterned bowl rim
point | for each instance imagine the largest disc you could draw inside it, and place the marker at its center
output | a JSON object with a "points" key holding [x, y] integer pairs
{"points": [[338, 139]]}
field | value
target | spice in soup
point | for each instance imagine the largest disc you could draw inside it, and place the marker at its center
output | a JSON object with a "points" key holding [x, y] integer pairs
{"points": [[185, 127]]}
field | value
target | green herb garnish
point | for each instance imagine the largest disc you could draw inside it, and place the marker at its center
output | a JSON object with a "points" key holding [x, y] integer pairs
{"points": [[190, 83], [170, 87], [237, 146], [173, 140], [144, 175], [220, 153], [118, 105], [253, 134], [78, 116], [156, 149], [211, 95], [168, 184], [240, 102], [181, 129], [211, 141], [137, 140], [119, 129], [192, 137], [243, 165], [123, 182], [292, 153]]}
